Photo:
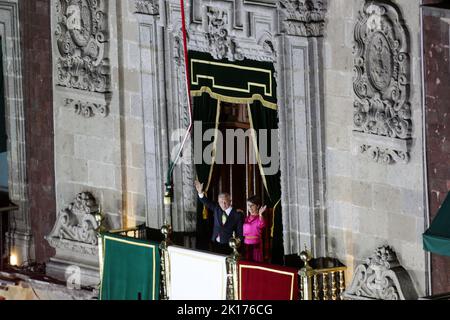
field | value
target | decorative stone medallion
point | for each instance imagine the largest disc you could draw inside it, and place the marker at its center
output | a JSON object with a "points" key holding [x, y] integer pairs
{"points": [[381, 84], [81, 37]]}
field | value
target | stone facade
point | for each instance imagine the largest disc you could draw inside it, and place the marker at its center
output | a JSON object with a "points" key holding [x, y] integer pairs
{"points": [[116, 95], [370, 204]]}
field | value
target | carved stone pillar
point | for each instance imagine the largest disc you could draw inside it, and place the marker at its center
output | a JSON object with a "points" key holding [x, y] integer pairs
{"points": [[165, 109], [153, 99], [300, 91], [85, 122], [74, 237]]}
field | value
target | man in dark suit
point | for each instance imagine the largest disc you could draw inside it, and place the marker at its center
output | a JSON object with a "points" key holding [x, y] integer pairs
{"points": [[226, 220]]}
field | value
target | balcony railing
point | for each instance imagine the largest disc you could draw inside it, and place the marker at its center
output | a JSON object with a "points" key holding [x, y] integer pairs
{"points": [[319, 279], [322, 283]]}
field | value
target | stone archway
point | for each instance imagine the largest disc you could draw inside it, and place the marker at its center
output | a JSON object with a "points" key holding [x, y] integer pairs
{"points": [[287, 33]]}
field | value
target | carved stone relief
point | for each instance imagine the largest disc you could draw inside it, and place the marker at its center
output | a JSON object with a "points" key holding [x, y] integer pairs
{"points": [[81, 38], [220, 42], [303, 17], [79, 221], [150, 7], [381, 277], [381, 84], [87, 109], [74, 237], [220, 38]]}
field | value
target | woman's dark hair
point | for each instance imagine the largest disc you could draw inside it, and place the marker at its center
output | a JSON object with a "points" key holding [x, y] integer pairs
{"points": [[255, 200]]}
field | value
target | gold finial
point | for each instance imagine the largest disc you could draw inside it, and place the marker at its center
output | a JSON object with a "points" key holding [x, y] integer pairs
{"points": [[234, 244], [166, 229], [306, 257]]}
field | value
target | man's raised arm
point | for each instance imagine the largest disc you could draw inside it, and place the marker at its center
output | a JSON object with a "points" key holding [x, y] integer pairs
{"points": [[199, 187]]}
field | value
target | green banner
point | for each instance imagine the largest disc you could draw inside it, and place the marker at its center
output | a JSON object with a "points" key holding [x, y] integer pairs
{"points": [[131, 269]]}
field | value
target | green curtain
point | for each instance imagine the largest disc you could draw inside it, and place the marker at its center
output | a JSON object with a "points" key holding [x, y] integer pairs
{"points": [[2, 107], [206, 111], [437, 238], [131, 269], [242, 81], [262, 117]]}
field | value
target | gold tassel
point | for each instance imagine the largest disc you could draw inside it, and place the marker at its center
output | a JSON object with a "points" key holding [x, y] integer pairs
{"points": [[205, 213]]}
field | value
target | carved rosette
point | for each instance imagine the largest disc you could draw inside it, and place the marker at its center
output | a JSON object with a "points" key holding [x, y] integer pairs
{"points": [[221, 44], [381, 83], [150, 7], [87, 109], [304, 18], [381, 277], [78, 222], [81, 37]]}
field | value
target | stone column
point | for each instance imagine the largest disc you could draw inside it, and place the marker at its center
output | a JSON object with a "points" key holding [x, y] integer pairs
{"points": [[153, 101], [300, 100], [19, 239]]}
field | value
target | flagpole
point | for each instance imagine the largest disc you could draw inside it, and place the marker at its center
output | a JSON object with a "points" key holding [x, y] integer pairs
{"points": [[168, 195]]}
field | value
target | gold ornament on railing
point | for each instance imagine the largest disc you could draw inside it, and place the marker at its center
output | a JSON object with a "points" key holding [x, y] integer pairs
{"points": [[166, 230], [232, 274], [320, 284]]}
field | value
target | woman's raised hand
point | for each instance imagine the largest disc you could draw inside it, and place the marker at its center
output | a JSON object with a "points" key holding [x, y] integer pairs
{"points": [[262, 209]]}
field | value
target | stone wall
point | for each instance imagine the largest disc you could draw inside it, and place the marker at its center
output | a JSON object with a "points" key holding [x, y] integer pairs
{"points": [[102, 153], [369, 203], [98, 122], [132, 122]]}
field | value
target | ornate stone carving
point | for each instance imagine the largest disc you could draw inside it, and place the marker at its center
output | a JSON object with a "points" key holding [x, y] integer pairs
{"points": [[73, 246], [381, 278], [81, 39], [189, 196], [150, 7], [304, 18], [384, 155], [220, 42], [87, 109], [78, 222], [381, 81]]}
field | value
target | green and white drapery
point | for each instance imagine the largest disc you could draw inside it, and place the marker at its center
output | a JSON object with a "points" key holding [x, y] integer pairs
{"points": [[242, 82], [196, 275], [130, 269]]}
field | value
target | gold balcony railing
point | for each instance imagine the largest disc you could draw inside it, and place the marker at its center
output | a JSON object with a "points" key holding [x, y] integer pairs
{"points": [[327, 283]]}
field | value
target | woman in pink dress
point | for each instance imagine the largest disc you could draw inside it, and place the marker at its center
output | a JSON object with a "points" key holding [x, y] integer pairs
{"points": [[253, 227]]}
